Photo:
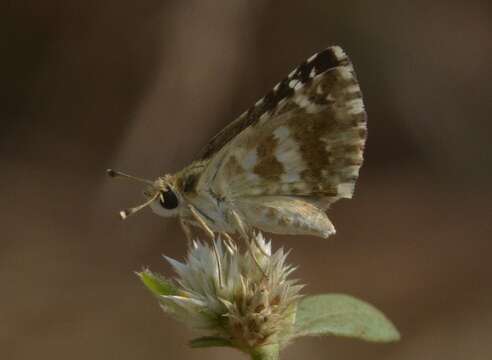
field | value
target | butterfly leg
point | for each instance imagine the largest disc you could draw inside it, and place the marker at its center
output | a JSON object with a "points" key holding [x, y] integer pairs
{"points": [[244, 235], [244, 232], [187, 231], [199, 218], [229, 242]]}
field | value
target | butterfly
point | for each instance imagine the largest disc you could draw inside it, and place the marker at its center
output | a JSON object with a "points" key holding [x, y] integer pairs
{"points": [[280, 165]]}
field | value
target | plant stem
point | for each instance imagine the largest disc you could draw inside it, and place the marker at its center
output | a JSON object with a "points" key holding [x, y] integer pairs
{"points": [[268, 352]]}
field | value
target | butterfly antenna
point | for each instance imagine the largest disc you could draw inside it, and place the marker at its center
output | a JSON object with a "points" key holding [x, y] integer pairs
{"points": [[114, 174], [130, 211]]}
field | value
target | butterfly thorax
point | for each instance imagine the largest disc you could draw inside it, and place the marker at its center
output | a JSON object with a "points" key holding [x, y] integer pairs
{"points": [[193, 189]]}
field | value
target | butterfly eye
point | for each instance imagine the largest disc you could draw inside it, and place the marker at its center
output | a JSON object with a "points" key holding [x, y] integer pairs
{"points": [[168, 199]]}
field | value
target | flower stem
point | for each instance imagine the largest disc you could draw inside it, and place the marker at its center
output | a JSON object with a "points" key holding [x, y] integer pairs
{"points": [[268, 352]]}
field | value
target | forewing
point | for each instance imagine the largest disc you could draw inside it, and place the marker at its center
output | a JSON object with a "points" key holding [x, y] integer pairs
{"points": [[303, 74], [305, 138]]}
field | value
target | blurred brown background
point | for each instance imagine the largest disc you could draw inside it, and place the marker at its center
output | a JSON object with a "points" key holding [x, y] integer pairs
{"points": [[141, 86]]}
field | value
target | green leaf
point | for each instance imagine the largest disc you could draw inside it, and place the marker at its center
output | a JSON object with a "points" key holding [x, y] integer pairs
{"points": [[156, 283], [343, 315], [209, 341]]}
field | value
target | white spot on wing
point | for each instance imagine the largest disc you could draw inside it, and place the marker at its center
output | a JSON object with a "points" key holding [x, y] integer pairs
{"points": [[355, 106], [346, 189], [352, 89], [250, 160], [302, 101], [281, 133], [286, 157], [308, 106], [345, 72], [288, 154], [281, 103], [264, 117], [312, 57], [339, 53]]}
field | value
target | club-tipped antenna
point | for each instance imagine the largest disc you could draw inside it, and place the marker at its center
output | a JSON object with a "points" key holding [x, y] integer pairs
{"points": [[130, 211], [114, 174]]}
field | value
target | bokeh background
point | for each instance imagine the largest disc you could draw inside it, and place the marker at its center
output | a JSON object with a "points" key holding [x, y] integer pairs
{"points": [[142, 85]]}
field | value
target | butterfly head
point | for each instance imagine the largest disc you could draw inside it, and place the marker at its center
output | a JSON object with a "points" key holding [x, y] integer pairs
{"points": [[161, 195], [168, 201]]}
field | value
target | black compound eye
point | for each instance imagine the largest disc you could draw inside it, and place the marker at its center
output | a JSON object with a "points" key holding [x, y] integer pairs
{"points": [[168, 199]]}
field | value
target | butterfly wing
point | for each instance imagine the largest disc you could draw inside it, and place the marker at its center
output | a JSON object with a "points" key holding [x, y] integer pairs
{"points": [[305, 138], [314, 66]]}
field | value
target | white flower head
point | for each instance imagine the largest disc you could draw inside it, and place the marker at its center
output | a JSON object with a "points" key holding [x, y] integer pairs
{"points": [[253, 306]]}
